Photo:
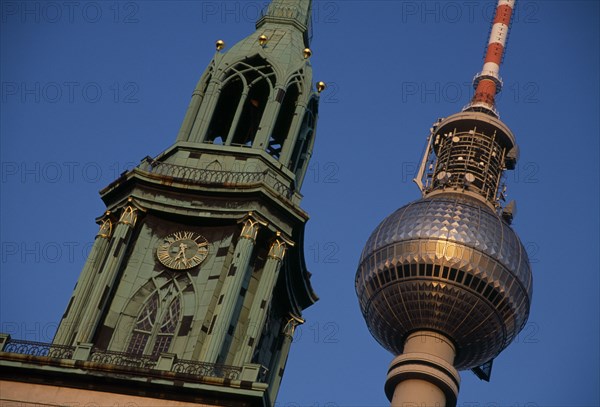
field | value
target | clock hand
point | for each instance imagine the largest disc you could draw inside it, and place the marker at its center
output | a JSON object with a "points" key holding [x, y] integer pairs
{"points": [[181, 253]]}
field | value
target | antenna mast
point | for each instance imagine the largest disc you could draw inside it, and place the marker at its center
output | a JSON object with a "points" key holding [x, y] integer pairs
{"points": [[488, 83], [444, 282]]}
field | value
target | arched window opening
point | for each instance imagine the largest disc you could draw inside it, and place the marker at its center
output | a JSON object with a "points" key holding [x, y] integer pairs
{"points": [[252, 113], [224, 113], [254, 78], [284, 121], [156, 323], [254, 68], [167, 327], [143, 327]]}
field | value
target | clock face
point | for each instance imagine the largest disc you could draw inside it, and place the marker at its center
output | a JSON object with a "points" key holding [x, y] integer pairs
{"points": [[182, 250]]}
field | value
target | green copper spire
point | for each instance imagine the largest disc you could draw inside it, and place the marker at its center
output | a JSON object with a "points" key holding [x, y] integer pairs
{"points": [[258, 96], [198, 266], [295, 12]]}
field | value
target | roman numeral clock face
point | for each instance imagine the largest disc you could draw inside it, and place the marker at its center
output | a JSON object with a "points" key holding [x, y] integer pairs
{"points": [[182, 250]]}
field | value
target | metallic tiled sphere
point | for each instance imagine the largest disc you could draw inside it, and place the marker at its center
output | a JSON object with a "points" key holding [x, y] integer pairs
{"points": [[446, 263]]}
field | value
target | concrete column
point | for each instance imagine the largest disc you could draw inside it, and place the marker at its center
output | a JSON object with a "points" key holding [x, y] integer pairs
{"points": [[68, 326], [424, 375], [230, 292], [260, 304], [93, 311]]}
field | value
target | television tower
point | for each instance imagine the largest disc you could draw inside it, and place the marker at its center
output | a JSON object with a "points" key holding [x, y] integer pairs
{"points": [[444, 282]]}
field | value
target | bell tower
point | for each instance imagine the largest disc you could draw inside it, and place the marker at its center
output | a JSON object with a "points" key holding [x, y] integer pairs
{"points": [[199, 257]]}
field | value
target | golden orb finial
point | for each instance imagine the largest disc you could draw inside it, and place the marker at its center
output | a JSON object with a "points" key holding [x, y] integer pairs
{"points": [[307, 53], [220, 44], [321, 86], [262, 40]]}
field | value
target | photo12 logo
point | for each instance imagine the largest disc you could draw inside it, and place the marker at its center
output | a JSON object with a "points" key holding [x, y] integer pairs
{"points": [[70, 12], [455, 92], [452, 12], [70, 92], [28, 252], [67, 172]]}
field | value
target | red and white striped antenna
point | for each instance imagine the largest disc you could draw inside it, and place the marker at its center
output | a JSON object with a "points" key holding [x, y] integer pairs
{"points": [[487, 83]]}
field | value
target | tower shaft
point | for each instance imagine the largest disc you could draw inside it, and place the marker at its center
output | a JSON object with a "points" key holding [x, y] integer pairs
{"points": [[444, 282], [424, 375]]}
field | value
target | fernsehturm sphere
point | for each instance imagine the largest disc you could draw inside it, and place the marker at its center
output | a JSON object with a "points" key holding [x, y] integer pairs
{"points": [[444, 282]]}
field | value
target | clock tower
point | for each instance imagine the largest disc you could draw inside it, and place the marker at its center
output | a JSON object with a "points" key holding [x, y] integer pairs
{"points": [[197, 271]]}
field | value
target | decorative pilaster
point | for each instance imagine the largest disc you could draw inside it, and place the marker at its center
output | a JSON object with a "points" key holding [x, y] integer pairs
{"points": [[73, 315], [277, 252], [277, 368], [191, 115], [262, 301], [236, 118], [106, 275], [268, 121], [230, 292], [250, 229], [290, 142], [202, 120]]}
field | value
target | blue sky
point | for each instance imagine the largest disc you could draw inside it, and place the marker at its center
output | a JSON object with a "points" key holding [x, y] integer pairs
{"points": [[90, 89]]}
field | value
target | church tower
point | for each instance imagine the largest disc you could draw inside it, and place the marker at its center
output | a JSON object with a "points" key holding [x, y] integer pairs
{"points": [[198, 265]]}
